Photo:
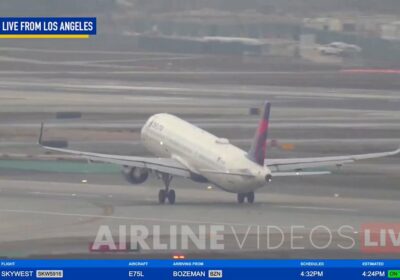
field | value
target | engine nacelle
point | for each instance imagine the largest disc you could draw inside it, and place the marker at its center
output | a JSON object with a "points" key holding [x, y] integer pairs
{"points": [[135, 175]]}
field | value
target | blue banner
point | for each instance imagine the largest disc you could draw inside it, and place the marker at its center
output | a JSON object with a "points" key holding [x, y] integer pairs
{"points": [[48, 26], [200, 269]]}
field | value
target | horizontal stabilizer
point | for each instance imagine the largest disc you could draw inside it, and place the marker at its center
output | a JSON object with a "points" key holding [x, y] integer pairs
{"points": [[300, 173]]}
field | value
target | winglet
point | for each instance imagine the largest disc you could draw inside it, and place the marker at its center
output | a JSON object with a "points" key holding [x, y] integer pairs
{"points": [[41, 134], [395, 152]]}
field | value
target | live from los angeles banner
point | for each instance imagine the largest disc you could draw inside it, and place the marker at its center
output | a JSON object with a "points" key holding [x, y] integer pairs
{"points": [[47, 28]]}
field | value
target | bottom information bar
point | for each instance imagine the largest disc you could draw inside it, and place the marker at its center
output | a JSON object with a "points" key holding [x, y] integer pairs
{"points": [[199, 269]]}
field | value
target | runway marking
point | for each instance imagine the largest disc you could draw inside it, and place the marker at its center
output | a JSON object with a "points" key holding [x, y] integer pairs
{"points": [[319, 208], [189, 90], [63, 194], [159, 220], [51, 194], [54, 213]]}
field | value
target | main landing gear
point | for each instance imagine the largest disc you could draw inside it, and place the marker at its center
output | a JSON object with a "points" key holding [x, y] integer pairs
{"points": [[242, 196], [166, 194]]}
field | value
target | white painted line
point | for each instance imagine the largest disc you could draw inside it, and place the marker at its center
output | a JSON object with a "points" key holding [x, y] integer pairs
{"points": [[162, 220], [144, 219], [318, 208], [51, 194], [63, 194]]}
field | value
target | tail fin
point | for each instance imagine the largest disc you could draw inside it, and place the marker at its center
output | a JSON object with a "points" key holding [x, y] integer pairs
{"points": [[258, 147], [40, 142]]}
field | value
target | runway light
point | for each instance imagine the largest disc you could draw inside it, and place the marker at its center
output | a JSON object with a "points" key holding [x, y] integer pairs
{"points": [[287, 147], [336, 195], [84, 181], [209, 188], [178, 257]]}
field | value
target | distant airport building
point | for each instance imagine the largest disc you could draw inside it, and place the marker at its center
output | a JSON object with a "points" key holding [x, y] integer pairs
{"points": [[391, 31]]}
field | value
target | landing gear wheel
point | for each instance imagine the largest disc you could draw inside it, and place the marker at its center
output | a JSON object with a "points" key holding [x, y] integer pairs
{"points": [[240, 197], [250, 197], [162, 195], [171, 196], [166, 193]]}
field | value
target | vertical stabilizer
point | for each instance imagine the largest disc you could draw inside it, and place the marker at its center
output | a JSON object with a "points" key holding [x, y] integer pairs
{"points": [[258, 147]]}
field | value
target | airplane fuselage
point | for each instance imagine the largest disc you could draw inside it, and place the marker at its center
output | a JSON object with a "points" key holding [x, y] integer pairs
{"points": [[207, 156]]}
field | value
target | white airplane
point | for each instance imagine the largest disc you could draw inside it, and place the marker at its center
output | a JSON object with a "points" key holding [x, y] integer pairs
{"points": [[187, 151]]}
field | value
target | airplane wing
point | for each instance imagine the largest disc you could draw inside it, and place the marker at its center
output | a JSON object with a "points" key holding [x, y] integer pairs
{"points": [[298, 164], [164, 165]]}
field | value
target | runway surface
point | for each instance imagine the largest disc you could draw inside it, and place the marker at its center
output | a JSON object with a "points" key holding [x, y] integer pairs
{"points": [[58, 214], [62, 219]]}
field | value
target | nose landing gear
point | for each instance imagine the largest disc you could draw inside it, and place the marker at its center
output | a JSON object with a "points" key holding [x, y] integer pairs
{"points": [[242, 196]]}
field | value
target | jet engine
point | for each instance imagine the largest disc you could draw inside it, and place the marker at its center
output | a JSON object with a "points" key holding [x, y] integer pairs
{"points": [[135, 175]]}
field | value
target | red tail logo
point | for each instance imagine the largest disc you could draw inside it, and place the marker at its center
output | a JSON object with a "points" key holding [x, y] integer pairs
{"points": [[258, 148]]}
